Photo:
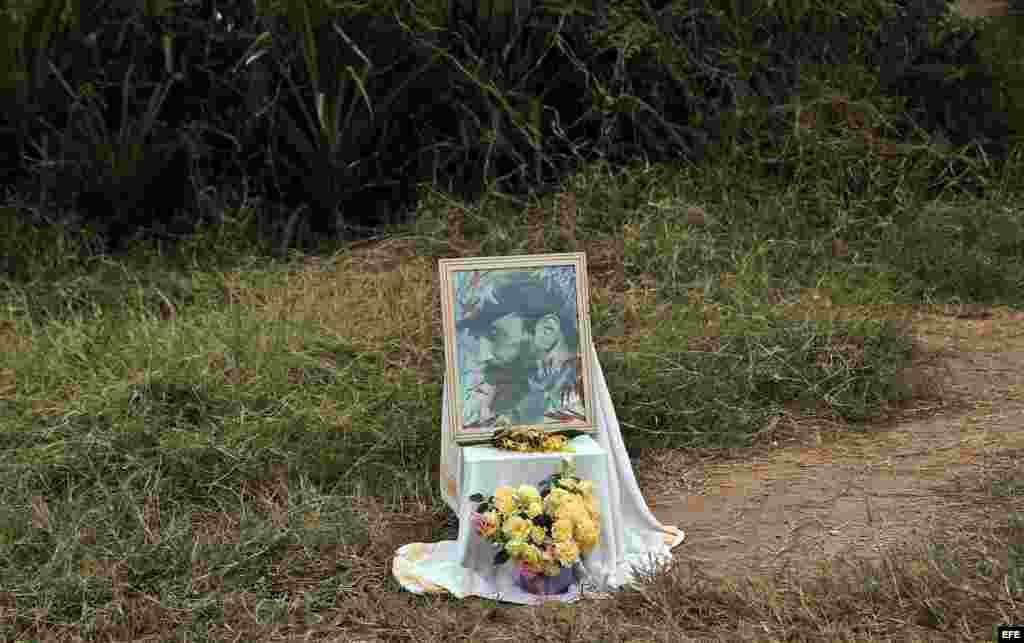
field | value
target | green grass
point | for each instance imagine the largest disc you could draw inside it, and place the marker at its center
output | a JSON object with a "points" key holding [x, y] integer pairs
{"points": [[210, 426]]}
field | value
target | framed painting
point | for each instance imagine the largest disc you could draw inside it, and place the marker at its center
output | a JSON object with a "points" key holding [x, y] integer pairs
{"points": [[517, 344]]}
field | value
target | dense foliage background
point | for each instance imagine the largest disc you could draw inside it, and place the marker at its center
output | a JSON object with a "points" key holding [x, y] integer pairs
{"points": [[128, 117]]}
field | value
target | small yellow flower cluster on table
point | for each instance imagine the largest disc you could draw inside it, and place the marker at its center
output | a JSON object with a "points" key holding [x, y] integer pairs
{"points": [[528, 438], [546, 529]]}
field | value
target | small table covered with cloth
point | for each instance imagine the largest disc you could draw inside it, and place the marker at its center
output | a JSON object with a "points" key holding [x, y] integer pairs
{"points": [[631, 537]]}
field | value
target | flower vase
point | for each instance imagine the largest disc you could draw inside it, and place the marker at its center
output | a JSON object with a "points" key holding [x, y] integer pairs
{"points": [[544, 585]]}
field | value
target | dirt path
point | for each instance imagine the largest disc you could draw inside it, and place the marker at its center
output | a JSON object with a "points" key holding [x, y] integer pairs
{"points": [[827, 493], [823, 492], [983, 8]]}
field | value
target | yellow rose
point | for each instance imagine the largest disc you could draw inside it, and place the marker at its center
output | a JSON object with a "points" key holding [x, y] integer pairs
{"points": [[571, 500], [517, 528], [538, 534], [579, 503], [571, 508], [504, 500], [592, 507], [567, 483], [554, 499], [581, 516], [578, 517], [567, 552], [535, 509], [583, 525], [586, 487], [562, 530], [587, 535]]}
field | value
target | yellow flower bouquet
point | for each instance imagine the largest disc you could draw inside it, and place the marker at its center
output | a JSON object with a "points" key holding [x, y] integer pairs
{"points": [[547, 529]]}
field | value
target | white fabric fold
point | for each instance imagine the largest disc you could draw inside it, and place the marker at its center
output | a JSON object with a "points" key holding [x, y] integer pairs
{"points": [[631, 538]]}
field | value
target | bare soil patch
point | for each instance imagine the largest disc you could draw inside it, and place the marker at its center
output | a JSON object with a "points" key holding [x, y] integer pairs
{"points": [[824, 492], [983, 8]]}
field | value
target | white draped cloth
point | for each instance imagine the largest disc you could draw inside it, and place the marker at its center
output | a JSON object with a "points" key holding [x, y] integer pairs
{"points": [[631, 537]]}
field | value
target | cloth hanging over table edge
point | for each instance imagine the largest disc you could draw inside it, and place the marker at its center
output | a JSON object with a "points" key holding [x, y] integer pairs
{"points": [[635, 518]]}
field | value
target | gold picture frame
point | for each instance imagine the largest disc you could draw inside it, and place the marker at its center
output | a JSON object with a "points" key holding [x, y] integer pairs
{"points": [[517, 344]]}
